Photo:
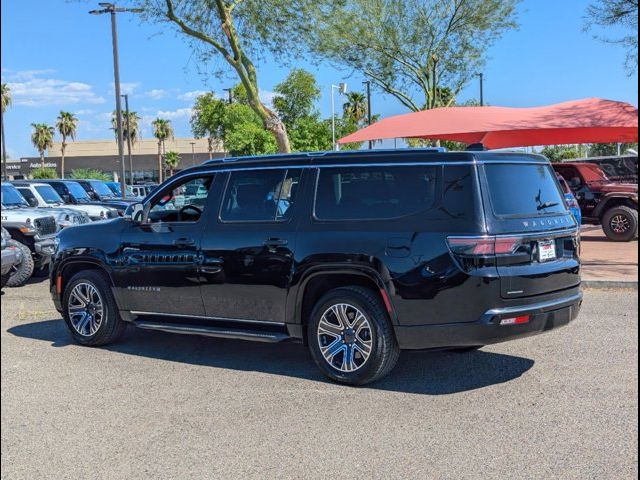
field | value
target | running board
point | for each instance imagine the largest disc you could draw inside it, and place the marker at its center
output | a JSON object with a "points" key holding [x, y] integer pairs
{"points": [[210, 331]]}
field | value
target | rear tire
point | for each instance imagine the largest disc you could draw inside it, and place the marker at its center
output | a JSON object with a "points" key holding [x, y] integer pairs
{"points": [[22, 271], [620, 224], [90, 310], [351, 337]]}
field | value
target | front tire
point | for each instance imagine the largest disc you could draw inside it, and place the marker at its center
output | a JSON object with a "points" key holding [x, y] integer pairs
{"points": [[620, 224], [90, 310], [351, 337], [21, 272]]}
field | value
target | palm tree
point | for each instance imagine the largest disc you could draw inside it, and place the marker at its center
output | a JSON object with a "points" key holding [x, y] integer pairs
{"points": [[67, 124], [6, 102], [6, 97], [133, 118], [355, 108], [162, 130], [172, 159], [42, 138]]}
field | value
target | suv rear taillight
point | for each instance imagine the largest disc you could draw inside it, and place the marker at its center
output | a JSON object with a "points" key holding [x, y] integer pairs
{"points": [[483, 246]]}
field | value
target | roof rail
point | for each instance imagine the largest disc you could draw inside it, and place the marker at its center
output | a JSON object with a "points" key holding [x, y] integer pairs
{"points": [[476, 147]]}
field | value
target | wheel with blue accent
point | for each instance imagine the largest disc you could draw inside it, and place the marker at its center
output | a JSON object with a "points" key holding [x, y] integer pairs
{"points": [[350, 336]]}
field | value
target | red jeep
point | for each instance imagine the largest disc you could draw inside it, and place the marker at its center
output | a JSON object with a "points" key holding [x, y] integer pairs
{"points": [[603, 202]]}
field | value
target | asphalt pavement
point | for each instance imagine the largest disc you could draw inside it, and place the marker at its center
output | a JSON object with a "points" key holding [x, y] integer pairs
{"points": [[155, 405]]}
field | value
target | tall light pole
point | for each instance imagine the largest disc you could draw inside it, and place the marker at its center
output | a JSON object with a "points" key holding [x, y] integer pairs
{"points": [[481, 77], [127, 119], [112, 10], [367, 83], [342, 88], [193, 153]]}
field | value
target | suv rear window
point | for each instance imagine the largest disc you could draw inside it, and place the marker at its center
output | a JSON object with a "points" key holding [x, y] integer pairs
{"points": [[523, 190], [379, 192]]}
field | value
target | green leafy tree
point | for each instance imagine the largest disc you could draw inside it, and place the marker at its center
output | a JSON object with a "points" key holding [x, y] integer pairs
{"points": [[90, 173], [412, 49], [162, 130], [557, 153], [44, 173], [207, 119], [610, 149], [42, 138], [296, 97], [616, 15], [244, 133], [7, 100], [172, 160], [237, 32], [67, 125]]}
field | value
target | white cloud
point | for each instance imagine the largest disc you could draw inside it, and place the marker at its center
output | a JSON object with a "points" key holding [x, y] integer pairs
{"points": [[267, 97], [191, 96], [126, 87], [175, 114], [31, 88], [84, 111], [156, 93]]}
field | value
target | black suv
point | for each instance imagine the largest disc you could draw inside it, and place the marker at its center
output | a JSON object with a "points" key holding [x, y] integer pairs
{"points": [[356, 254]]}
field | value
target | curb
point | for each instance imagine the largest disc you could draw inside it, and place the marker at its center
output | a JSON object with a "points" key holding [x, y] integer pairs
{"points": [[610, 284]]}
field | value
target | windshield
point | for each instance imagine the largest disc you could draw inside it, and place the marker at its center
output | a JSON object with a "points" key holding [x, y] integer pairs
{"points": [[48, 194], [101, 188], [523, 190], [114, 187], [12, 198], [77, 191]]}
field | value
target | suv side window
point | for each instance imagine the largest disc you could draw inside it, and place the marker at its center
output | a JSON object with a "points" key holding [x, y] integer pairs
{"points": [[379, 192], [182, 202], [572, 176], [60, 189], [28, 196], [260, 195]]}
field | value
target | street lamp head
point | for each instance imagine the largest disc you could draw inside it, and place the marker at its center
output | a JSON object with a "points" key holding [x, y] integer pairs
{"points": [[342, 88], [98, 12]]}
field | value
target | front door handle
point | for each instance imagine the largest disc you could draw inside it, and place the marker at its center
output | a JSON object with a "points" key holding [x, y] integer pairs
{"points": [[184, 242], [276, 242]]}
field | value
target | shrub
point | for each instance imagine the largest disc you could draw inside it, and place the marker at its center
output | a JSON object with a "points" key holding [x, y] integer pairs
{"points": [[41, 173], [90, 173]]}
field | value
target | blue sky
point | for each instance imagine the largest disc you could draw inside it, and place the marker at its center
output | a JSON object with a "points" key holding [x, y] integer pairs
{"points": [[56, 56]]}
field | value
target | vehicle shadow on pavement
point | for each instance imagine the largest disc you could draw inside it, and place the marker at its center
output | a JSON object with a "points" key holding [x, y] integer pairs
{"points": [[430, 373]]}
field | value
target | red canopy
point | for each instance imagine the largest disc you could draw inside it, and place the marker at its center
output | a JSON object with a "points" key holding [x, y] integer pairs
{"points": [[592, 120]]}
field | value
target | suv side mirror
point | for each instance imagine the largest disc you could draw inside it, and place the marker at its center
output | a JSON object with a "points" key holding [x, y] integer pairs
{"points": [[135, 212], [66, 198]]}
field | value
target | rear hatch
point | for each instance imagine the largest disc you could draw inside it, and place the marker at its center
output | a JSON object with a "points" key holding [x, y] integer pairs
{"points": [[537, 238]]}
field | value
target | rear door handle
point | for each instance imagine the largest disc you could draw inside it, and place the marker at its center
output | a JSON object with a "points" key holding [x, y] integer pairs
{"points": [[184, 242], [276, 242]]}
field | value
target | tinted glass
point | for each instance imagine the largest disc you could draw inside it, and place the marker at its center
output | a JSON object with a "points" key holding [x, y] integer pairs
{"points": [[28, 195], [523, 190], [11, 197], [77, 191], [376, 192], [184, 202], [48, 194], [261, 195], [102, 189]]}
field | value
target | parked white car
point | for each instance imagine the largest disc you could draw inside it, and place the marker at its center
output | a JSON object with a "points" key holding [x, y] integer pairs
{"points": [[43, 195]]}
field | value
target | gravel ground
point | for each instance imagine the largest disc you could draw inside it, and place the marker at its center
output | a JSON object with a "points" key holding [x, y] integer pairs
{"points": [[156, 405]]}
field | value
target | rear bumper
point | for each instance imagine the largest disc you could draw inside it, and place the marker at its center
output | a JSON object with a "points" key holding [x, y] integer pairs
{"points": [[545, 316]]}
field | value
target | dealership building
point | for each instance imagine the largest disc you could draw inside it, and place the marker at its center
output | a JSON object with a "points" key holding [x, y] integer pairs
{"points": [[103, 155]]}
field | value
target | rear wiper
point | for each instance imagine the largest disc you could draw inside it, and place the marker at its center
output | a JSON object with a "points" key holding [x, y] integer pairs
{"points": [[544, 205]]}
